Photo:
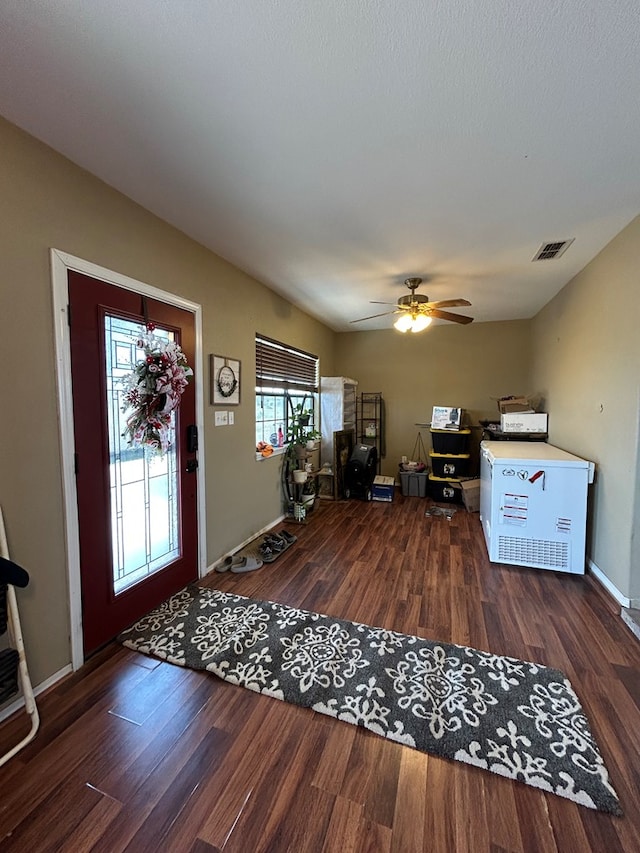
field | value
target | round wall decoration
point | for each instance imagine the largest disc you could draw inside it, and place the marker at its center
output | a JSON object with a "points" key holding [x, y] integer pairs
{"points": [[225, 380]]}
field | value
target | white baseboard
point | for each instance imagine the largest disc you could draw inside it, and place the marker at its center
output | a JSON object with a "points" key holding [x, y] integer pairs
{"points": [[45, 685], [613, 590], [243, 544]]}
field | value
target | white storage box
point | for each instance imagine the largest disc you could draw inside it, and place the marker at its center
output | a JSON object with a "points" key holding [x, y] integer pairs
{"points": [[524, 422], [446, 417]]}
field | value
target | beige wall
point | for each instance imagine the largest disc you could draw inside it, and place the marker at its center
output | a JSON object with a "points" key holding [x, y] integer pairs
{"points": [[586, 361], [447, 365], [48, 202]]}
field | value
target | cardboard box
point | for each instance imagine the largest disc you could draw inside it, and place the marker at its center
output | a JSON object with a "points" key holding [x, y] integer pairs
{"points": [[382, 488], [507, 405], [524, 422], [446, 417], [471, 494]]}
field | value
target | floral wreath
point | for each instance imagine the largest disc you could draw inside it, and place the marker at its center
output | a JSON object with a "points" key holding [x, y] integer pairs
{"points": [[153, 390], [226, 381]]}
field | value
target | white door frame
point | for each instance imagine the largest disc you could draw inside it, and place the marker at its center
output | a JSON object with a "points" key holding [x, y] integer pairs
{"points": [[61, 263]]}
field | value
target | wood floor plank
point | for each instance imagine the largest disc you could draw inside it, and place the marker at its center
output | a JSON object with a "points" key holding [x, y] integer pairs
{"points": [[134, 754], [97, 823], [74, 800], [373, 763], [286, 812], [331, 767], [345, 827], [141, 703], [409, 812]]}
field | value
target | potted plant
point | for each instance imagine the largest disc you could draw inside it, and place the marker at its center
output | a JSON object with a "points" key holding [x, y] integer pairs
{"points": [[299, 433], [309, 493]]}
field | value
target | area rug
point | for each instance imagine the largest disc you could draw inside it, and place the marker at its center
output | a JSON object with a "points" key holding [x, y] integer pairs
{"points": [[514, 718]]}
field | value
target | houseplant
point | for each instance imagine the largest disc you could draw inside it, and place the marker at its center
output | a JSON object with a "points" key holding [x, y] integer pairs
{"points": [[295, 480], [298, 434]]}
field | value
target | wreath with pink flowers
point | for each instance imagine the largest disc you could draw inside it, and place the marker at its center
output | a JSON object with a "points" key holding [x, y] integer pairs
{"points": [[153, 390]]}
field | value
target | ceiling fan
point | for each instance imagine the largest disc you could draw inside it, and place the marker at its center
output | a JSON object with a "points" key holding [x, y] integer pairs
{"points": [[416, 312]]}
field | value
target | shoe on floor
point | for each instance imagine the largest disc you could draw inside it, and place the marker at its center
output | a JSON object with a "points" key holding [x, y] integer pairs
{"points": [[229, 563], [267, 554], [275, 542], [246, 564], [289, 538], [224, 565]]}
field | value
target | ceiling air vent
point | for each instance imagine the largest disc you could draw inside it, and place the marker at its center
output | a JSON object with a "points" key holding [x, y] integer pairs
{"points": [[551, 251]]}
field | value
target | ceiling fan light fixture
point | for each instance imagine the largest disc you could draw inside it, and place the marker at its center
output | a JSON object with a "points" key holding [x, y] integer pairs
{"points": [[403, 323], [420, 323]]}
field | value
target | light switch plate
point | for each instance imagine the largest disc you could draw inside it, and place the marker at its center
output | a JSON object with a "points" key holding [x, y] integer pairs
{"points": [[221, 418], [232, 419]]}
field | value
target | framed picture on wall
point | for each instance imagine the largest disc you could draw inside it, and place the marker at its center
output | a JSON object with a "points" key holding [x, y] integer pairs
{"points": [[224, 381]]}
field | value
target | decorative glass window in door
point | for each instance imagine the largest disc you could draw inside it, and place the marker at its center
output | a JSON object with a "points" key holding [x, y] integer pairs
{"points": [[143, 486]]}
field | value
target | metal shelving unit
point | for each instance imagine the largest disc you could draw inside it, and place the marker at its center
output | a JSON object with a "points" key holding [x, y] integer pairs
{"points": [[370, 422]]}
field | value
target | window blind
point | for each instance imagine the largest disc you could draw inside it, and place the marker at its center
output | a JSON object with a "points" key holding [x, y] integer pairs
{"points": [[281, 366]]}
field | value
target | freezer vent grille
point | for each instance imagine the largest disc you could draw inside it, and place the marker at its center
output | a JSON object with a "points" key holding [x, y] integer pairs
{"points": [[533, 552]]}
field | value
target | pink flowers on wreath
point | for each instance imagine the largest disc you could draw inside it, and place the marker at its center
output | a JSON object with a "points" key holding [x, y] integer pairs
{"points": [[153, 390]]}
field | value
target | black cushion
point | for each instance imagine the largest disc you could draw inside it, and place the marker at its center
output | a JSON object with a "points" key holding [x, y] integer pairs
{"points": [[12, 573]]}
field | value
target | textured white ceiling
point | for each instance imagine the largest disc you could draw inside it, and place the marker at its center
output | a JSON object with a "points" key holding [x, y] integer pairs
{"points": [[332, 148]]}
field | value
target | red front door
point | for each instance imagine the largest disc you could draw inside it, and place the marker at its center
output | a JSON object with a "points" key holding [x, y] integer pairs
{"points": [[137, 511]]}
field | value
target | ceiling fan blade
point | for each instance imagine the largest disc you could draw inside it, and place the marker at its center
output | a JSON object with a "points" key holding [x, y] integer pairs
{"points": [[447, 315], [372, 317], [449, 303], [375, 302]]}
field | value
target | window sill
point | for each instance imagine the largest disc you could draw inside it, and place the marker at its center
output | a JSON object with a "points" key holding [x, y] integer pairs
{"points": [[277, 451]]}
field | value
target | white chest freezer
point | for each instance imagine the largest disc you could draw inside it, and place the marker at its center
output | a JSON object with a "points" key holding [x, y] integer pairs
{"points": [[533, 504]]}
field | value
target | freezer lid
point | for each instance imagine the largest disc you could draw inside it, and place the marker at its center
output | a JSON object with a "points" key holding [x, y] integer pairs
{"points": [[512, 452]]}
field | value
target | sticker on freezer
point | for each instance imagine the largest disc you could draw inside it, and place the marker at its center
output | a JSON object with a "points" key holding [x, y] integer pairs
{"points": [[514, 509]]}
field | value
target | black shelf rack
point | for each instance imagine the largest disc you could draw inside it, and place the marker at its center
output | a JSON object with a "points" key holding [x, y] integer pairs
{"points": [[370, 422]]}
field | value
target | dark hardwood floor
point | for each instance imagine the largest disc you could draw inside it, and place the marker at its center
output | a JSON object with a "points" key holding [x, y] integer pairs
{"points": [[138, 755]]}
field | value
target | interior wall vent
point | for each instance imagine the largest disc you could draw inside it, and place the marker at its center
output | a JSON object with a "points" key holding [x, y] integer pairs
{"points": [[551, 251]]}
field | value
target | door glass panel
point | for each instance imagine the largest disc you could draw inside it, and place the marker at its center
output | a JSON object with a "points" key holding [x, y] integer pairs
{"points": [[143, 486]]}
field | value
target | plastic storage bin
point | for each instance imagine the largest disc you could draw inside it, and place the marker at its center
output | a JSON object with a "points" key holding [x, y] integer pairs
{"points": [[450, 464], [414, 484], [446, 490], [450, 441]]}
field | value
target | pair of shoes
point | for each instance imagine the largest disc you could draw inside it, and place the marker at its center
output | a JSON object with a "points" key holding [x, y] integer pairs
{"points": [[267, 553], [228, 563], [288, 537], [239, 564], [246, 564], [275, 544]]}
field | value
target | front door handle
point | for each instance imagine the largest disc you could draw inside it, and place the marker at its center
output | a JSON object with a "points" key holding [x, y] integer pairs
{"points": [[192, 465]]}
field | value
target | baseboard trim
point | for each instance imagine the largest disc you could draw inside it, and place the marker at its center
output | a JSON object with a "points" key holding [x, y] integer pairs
{"points": [[613, 590], [18, 703]]}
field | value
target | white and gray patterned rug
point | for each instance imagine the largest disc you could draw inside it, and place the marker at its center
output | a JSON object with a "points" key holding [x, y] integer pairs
{"points": [[515, 718]]}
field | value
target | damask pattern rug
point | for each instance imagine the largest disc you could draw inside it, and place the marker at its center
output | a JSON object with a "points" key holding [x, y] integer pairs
{"points": [[514, 718]]}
